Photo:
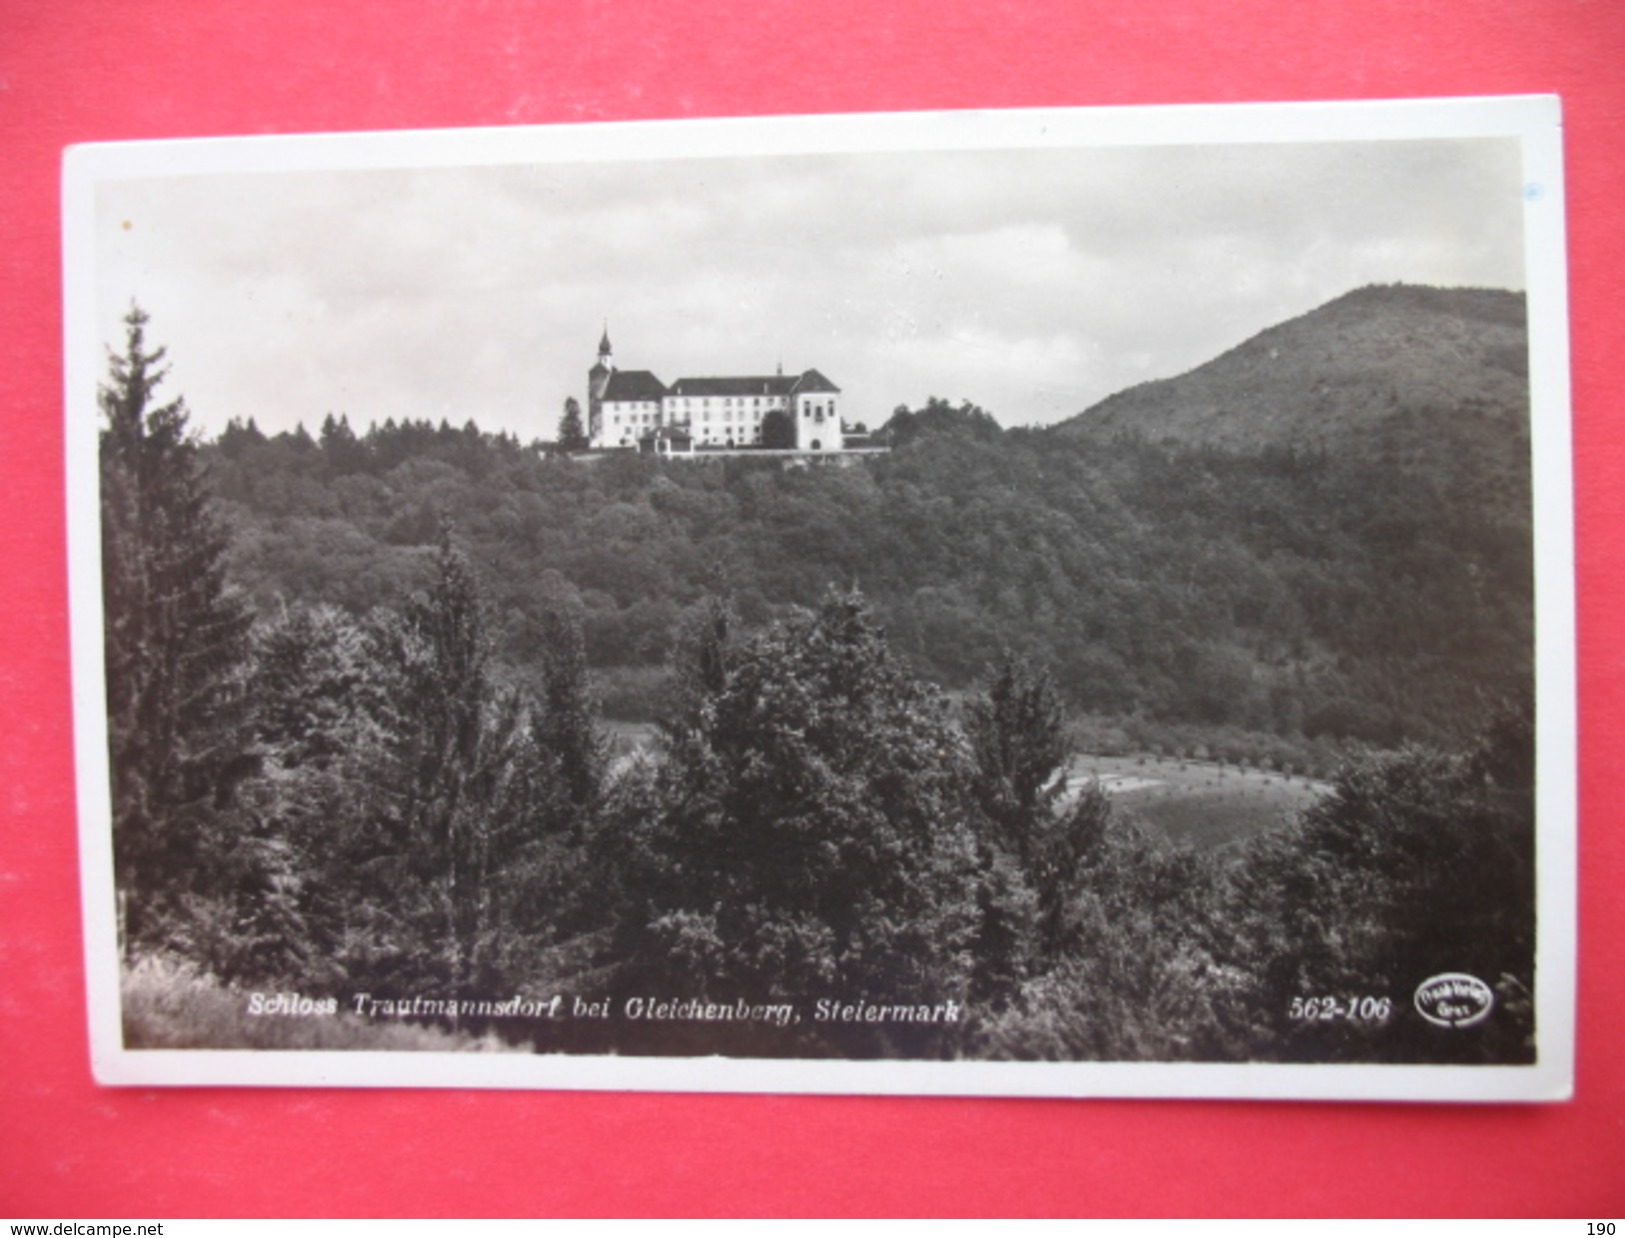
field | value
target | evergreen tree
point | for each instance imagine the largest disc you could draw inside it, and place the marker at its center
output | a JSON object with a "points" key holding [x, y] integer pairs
{"points": [[572, 437], [340, 447], [458, 861], [438, 658], [1040, 846], [416, 813], [1017, 735], [566, 734], [315, 697], [175, 638], [238, 437], [704, 648]]}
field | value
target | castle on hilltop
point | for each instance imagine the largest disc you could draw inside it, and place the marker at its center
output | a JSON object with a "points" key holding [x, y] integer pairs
{"points": [[634, 409]]}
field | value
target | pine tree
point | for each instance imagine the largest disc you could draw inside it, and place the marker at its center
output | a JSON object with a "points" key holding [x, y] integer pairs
{"points": [[343, 451], [439, 654], [175, 638], [314, 699], [572, 437], [1018, 740], [568, 739], [311, 688], [704, 647], [462, 791], [1017, 735]]}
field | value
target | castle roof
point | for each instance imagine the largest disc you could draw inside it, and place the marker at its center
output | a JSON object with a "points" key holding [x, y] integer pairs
{"points": [[812, 382], [771, 384], [633, 385], [765, 384]]}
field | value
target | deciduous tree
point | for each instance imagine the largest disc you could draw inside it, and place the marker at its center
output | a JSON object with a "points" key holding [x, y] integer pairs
{"points": [[808, 832], [778, 430]]}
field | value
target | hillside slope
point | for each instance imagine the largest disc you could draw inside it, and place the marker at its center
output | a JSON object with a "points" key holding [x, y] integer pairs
{"points": [[1415, 370]]}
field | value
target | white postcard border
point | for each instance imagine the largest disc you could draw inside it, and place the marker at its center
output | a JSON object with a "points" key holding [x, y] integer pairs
{"points": [[1533, 120]]}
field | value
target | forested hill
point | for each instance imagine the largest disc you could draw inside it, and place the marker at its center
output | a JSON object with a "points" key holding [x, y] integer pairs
{"points": [[1176, 591], [1419, 372]]}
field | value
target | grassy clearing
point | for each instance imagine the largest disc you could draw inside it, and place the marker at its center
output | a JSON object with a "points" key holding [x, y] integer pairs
{"points": [[1199, 803], [168, 1004], [628, 737]]}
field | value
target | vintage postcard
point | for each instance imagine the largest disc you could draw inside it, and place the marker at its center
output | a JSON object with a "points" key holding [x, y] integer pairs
{"points": [[1057, 603]]}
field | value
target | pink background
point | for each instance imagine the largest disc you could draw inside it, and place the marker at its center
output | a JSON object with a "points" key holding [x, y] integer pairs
{"points": [[93, 70]]}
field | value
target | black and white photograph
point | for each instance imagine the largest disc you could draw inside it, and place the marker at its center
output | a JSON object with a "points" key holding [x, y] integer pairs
{"points": [[1044, 603]]}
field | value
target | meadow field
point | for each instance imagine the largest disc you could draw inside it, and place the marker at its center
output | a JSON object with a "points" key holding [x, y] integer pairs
{"points": [[1197, 803]]}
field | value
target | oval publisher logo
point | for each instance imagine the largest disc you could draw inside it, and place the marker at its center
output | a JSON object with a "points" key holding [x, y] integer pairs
{"points": [[1454, 999]]}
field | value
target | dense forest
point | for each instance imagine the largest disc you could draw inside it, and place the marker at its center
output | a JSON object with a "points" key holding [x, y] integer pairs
{"points": [[1275, 603], [362, 688]]}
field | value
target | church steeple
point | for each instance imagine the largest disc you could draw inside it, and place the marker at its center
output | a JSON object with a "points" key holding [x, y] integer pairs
{"points": [[597, 383], [598, 376]]}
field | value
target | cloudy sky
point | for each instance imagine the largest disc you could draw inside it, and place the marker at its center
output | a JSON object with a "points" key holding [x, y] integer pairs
{"points": [[1033, 283]]}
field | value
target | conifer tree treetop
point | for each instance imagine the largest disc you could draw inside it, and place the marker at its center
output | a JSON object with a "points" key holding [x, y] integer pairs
{"points": [[175, 640]]}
